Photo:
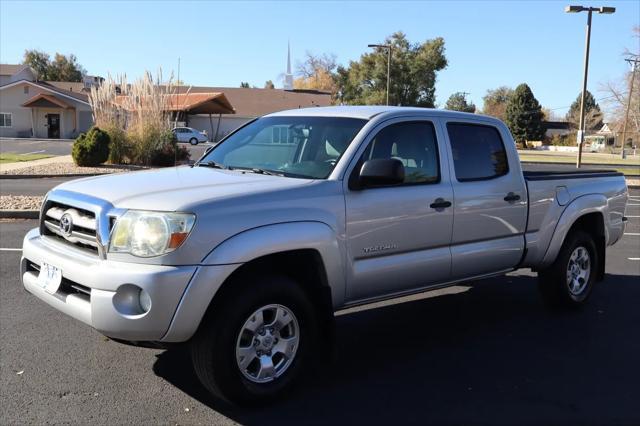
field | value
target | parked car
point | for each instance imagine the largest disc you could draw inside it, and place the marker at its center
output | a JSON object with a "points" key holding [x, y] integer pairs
{"points": [[188, 134], [246, 255]]}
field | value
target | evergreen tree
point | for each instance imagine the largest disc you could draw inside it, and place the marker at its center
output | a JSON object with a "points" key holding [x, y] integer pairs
{"points": [[592, 113], [458, 102], [524, 115]]}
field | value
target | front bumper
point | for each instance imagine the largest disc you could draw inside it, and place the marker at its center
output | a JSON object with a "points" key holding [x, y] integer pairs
{"points": [[100, 281]]}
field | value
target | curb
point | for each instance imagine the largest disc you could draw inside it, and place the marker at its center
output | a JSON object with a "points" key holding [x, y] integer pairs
{"points": [[7, 176], [19, 214]]}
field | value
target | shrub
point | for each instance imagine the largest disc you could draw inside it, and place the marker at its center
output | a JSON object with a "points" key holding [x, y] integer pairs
{"points": [[120, 149], [168, 152], [563, 140], [92, 148]]}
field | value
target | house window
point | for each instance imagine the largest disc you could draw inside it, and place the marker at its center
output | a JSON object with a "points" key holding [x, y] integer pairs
{"points": [[5, 119], [26, 89]]}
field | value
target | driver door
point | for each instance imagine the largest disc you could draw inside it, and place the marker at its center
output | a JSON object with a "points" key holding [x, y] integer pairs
{"points": [[397, 237]]}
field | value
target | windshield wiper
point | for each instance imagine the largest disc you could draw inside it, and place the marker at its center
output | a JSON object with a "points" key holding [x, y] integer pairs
{"points": [[265, 171], [259, 171], [212, 164]]}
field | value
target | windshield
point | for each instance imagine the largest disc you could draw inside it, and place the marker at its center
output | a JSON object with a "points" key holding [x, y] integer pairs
{"points": [[307, 147]]}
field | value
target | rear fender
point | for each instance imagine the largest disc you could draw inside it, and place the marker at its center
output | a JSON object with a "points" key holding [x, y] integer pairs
{"points": [[592, 203]]}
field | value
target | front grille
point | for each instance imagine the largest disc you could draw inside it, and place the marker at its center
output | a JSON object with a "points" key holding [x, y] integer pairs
{"points": [[71, 225]]}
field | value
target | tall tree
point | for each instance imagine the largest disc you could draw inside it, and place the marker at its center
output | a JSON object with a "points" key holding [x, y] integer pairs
{"points": [[414, 67], [495, 102], [316, 72], [592, 113], [269, 85], [524, 115], [38, 61], [458, 102], [62, 68]]}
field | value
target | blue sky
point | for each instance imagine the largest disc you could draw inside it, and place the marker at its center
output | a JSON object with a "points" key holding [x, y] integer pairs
{"points": [[488, 43]]}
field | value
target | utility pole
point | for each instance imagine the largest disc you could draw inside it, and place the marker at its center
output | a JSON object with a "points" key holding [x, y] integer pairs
{"points": [[590, 10], [634, 63]]}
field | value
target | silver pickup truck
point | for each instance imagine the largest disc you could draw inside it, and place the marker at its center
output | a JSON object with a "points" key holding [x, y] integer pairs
{"points": [[247, 254]]}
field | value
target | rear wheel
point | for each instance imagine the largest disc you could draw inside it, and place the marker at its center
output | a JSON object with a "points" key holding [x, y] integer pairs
{"points": [[568, 282], [256, 343], [193, 141]]}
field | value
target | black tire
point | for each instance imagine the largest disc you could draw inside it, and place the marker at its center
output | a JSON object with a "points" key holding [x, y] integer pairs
{"points": [[193, 141], [553, 282], [213, 349]]}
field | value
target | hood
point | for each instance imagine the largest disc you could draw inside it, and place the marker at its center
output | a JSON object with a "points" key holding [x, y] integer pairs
{"points": [[177, 188]]}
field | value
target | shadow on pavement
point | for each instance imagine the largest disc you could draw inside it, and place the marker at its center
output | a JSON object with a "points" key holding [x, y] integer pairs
{"points": [[490, 355]]}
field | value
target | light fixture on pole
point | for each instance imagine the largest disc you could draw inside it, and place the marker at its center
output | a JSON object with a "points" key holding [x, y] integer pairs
{"points": [[388, 47], [590, 10]]}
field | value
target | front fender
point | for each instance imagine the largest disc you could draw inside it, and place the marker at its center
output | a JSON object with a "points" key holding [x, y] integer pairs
{"points": [[254, 243], [281, 237], [592, 203]]}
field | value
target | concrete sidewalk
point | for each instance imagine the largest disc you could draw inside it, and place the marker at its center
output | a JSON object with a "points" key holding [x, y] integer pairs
{"points": [[8, 167]]}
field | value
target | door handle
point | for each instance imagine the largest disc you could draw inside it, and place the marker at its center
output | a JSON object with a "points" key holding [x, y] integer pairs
{"points": [[511, 197], [440, 203]]}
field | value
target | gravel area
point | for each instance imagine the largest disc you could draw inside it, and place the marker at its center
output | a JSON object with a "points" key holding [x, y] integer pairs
{"points": [[69, 168], [20, 202]]}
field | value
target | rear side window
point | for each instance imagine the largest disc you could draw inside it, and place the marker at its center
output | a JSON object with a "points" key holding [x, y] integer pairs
{"points": [[478, 152]]}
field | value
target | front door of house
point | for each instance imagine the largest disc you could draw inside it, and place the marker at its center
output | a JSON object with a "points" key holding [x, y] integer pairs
{"points": [[53, 126]]}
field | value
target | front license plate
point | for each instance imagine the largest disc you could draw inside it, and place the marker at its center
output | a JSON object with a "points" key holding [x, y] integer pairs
{"points": [[50, 277]]}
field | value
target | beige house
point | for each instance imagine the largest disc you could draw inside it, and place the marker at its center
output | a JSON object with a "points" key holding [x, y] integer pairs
{"points": [[31, 108]]}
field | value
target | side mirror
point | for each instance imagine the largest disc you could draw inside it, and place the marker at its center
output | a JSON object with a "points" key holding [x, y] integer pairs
{"points": [[381, 172]]}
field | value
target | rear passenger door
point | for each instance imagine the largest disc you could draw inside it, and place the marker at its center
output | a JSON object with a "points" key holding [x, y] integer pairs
{"points": [[397, 237], [490, 207]]}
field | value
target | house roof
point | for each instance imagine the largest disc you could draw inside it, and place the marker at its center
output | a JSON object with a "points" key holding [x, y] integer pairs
{"points": [[45, 100], [70, 86], [556, 125], [201, 103], [252, 102], [11, 69], [79, 97], [192, 103]]}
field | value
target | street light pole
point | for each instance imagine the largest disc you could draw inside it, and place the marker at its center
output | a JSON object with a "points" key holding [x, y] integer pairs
{"points": [[590, 10], [388, 47]]}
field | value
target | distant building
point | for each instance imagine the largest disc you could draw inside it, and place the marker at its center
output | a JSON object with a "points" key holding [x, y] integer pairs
{"points": [[250, 103], [31, 108], [58, 109], [556, 128]]}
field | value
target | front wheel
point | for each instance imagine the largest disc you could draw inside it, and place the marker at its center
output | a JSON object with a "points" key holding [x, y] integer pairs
{"points": [[254, 347], [568, 282]]}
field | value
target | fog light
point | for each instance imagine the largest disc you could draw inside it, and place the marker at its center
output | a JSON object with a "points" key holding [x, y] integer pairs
{"points": [[145, 300], [131, 300]]}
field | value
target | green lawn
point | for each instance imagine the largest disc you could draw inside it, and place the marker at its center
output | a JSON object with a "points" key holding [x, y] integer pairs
{"points": [[12, 157]]}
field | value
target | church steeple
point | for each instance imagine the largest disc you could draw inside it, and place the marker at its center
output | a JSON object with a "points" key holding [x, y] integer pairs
{"points": [[288, 77]]}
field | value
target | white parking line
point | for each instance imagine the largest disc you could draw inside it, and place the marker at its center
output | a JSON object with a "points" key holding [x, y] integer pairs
{"points": [[634, 258], [632, 233], [10, 249], [33, 152], [633, 216]]}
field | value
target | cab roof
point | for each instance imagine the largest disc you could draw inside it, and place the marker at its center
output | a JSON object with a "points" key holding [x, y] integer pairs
{"points": [[370, 111]]}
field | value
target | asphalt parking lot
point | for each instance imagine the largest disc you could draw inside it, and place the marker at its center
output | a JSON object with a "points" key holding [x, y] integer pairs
{"points": [[485, 354]]}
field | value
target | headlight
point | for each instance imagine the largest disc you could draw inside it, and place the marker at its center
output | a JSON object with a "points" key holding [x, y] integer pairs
{"points": [[148, 234]]}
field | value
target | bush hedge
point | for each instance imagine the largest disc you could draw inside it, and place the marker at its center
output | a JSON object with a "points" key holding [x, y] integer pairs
{"points": [[91, 149]]}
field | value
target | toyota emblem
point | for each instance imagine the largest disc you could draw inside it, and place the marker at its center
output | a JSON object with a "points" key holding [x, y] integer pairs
{"points": [[66, 224]]}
